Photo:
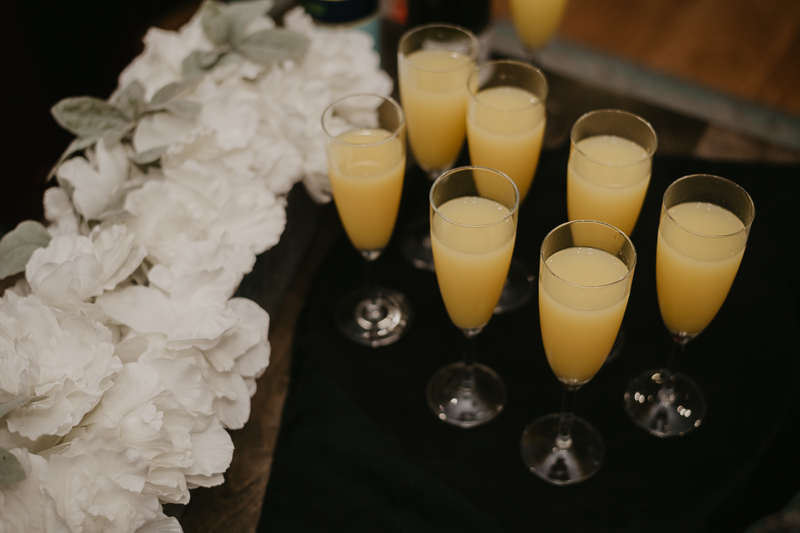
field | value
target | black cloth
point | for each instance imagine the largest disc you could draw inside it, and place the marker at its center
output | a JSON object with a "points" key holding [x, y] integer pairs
{"points": [[359, 449]]}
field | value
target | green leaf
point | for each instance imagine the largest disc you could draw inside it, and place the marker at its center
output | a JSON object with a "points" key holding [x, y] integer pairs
{"points": [[7, 407], [168, 92], [183, 108], [113, 137], [240, 14], [88, 117], [130, 100], [17, 246], [149, 156], [192, 67], [270, 46], [215, 24], [11, 471]]}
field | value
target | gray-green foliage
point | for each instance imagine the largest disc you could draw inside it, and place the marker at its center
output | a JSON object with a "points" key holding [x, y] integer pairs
{"points": [[225, 26], [11, 471], [17, 246], [92, 119]]}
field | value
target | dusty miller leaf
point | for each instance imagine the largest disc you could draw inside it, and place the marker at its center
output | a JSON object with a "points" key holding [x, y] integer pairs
{"points": [[88, 117], [149, 156], [270, 46], [191, 66], [240, 14], [215, 24], [130, 100], [183, 108], [115, 136], [168, 92], [17, 246], [7, 407], [11, 471]]}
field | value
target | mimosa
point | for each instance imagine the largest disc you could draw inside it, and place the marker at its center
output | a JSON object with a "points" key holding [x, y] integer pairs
{"points": [[607, 179], [536, 21], [472, 262], [367, 180], [694, 270], [505, 128], [433, 90], [580, 319]]}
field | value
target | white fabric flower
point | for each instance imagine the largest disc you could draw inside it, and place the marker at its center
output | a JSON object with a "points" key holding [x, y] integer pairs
{"points": [[184, 448], [68, 359], [95, 178], [195, 203], [59, 212], [94, 487], [73, 268]]}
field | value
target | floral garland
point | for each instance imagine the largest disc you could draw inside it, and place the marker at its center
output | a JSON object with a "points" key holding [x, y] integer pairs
{"points": [[124, 357]]}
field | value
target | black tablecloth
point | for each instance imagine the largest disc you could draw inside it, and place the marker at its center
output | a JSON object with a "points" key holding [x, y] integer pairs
{"points": [[359, 449]]}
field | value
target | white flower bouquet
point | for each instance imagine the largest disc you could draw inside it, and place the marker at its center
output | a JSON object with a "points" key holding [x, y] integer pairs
{"points": [[124, 356]]}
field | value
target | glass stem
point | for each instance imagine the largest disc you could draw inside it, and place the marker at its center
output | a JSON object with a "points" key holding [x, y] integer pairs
{"points": [[668, 384], [564, 438], [470, 354]]}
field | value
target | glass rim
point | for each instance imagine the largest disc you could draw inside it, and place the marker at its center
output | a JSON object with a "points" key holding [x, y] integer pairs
{"points": [[630, 267], [650, 152], [541, 101], [468, 33], [511, 211], [394, 134], [745, 224]]}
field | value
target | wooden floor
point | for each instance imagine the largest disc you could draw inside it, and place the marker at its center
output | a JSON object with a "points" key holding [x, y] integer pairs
{"points": [[747, 49]]}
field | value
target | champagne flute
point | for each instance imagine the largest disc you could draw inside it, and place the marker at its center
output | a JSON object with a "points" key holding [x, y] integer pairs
{"points": [[505, 128], [433, 64], [536, 22], [473, 229], [702, 234], [608, 173], [366, 151], [585, 273]]}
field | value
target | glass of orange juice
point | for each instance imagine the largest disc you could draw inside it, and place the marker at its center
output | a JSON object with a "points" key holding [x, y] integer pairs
{"points": [[702, 234], [536, 21], [433, 64], [473, 219], [366, 152], [585, 273], [505, 127]]}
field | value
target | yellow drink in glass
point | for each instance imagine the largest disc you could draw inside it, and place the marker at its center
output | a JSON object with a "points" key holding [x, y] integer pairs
{"points": [[536, 21], [433, 90], [367, 181], [505, 128], [695, 271], [607, 179], [580, 319], [472, 261]]}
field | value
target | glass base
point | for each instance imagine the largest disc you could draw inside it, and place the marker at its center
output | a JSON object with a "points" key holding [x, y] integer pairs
{"points": [[664, 413], [465, 407], [374, 318], [416, 244], [517, 289], [578, 460]]}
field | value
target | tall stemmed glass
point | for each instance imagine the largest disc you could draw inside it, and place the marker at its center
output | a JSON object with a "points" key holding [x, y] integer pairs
{"points": [[366, 150], [705, 222], [585, 273], [608, 173], [536, 22], [433, 63], [473, 229], [505, 126]]}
